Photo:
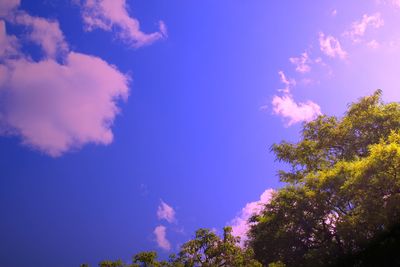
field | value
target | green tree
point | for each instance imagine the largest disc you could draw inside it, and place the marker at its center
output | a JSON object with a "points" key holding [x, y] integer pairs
{"points": [[146, 259], [207, 249], [342, 188], [108, 263]]}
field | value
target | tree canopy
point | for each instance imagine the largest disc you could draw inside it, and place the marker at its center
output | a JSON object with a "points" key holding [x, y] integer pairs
{"points": [[342, 188], [206, 249]]}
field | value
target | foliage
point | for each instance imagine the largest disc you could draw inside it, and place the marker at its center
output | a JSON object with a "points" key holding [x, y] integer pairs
{"points": [[381, 251], [207, 249], [343, 188], [276, 264]]}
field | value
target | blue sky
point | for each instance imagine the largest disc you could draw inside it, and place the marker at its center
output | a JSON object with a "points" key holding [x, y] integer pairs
{"points": [[117, 138]]}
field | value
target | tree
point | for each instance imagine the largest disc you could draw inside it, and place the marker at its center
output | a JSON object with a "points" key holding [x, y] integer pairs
{"points": [[207, 249], [342, 188], [145, 259], [107, 263]]}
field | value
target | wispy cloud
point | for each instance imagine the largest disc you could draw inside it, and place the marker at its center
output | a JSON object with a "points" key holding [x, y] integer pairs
{"points": [[54, 106], [286, 107], [331, 47], [359, 28], [166, 212], [240, 224], [289, 83], [302, 63], [45, 33], [112, 15], [373, 44], [160, 233]]}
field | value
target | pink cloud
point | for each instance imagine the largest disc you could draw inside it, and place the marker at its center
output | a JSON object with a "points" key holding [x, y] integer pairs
{"points": [[166, 212], [240, 224], [58, 107], [302, 63], [160, 233], [113, 14], [359, 28], [7, 6], [45, 33], [289, 83], [54, 106], [8, 44], [331, 47], [373, 44]]}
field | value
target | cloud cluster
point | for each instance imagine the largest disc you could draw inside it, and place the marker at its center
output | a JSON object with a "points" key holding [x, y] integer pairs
{"points": [[359, 28], [44, 33], [294, 112], [54, 105], [111, 15], [240, 224], [167, 213]]}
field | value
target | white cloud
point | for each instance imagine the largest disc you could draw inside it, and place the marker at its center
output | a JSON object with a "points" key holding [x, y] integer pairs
{"points": [[111, 15], [286, 107], [55, 106], [302, 63], [166, 212], [240, 224], [160, 233], [294, 112], [359, 28], [331, 47]]}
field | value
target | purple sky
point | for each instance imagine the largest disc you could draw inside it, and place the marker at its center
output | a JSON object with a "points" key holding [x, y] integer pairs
{"points": [[126, 125]]}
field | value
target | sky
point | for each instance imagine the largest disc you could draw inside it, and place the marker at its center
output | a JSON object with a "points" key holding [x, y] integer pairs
{"points": [[126, 125]]}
